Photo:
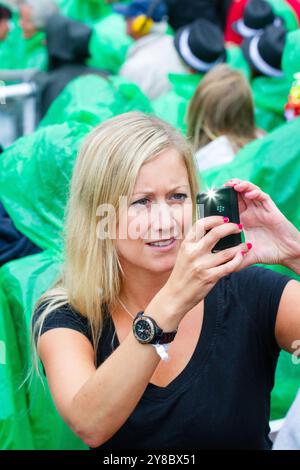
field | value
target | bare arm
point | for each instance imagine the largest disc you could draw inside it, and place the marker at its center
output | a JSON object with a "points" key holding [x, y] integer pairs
{"points": [[287, 329], [95, 402]]}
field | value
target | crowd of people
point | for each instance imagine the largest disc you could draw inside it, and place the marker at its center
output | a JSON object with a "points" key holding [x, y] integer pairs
{"points": [[152, 100]]}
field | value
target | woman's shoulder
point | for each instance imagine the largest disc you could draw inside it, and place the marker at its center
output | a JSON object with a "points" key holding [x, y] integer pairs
{"points": [[257, 289], [257, 281], [254, 294], [49, 316], [257, 274]]}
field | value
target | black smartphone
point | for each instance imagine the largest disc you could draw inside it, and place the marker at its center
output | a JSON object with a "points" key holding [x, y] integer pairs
{"points": [[221, 201]]}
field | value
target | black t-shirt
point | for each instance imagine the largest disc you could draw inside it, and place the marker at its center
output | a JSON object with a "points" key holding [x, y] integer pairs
{"points": [[221, 400]]}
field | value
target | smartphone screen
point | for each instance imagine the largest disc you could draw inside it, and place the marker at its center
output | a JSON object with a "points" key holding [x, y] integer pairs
{"points": [[224, 202]]}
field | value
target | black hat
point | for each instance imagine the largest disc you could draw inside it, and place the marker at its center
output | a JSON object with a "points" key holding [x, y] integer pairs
{"points": [[264, 52], [67, 40], [200, 45], [257, 15], [5, 12]]}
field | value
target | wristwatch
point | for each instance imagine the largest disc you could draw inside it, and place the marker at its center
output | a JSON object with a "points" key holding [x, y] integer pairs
{"points": [[147, 331]]}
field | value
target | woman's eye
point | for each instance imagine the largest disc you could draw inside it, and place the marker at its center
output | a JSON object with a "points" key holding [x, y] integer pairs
{"points": [[180, 196], [142, 202]]}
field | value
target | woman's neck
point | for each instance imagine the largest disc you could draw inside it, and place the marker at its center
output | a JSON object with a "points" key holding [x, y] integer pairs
{"points": [[139, 287]]}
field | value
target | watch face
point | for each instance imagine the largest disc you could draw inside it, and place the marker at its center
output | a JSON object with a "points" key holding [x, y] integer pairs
{"points": [[143, 330]]}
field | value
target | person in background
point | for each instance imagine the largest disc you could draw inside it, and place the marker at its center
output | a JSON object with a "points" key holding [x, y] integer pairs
{"points": [[152, 56], [220, 117], [264, 52], [13, 244], [5, 17], [194, 49], [200, 47], [257, 15], [248, 17], [184, 12], [34, 14], [67, 44]]}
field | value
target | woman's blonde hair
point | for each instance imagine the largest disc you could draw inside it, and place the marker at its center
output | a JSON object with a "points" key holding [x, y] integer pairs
{"points": [[221, 105], [106, 169]]}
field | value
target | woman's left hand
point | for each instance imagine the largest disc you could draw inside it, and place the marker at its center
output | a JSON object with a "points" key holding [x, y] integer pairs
{"points": [[274, 239]]}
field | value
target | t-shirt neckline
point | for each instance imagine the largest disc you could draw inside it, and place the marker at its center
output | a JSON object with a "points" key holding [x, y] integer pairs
{"points": [[211, 313]]}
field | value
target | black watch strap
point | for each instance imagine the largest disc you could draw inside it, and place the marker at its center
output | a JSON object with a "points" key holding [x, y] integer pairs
{"points": [[166, 337]]}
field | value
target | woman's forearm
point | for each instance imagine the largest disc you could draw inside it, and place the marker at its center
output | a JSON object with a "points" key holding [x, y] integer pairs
{"points": [[108, 398]]}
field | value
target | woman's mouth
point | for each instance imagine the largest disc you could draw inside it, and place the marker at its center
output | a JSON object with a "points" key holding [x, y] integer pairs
{"points": [[162, 245]]}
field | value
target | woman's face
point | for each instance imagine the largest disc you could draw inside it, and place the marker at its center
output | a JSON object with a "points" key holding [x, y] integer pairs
{"points": [[160, 211], [26, 21], [4, 28]]}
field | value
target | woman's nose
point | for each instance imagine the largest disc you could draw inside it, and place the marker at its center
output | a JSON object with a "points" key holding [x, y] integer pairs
{"points": [[162, 217]]}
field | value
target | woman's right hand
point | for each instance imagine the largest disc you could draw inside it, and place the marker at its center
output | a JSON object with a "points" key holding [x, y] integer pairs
{"points": [[197, 269]]}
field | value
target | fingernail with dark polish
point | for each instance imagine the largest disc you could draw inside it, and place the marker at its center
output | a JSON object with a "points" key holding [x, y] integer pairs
{"points": [[240, 226], [226, 219], [249, 246], [243, 253]]}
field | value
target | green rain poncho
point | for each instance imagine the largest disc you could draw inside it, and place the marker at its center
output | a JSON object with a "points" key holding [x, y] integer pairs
{"points": [[270, 94], [109, 43], [84, 10], [35, 174], [16, 52], [15, 426], [273, 163], [37, 424], [172, 107], [111, 96]]}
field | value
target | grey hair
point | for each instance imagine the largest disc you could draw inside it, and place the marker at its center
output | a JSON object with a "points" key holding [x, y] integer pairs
{"points": [[41, 10]]}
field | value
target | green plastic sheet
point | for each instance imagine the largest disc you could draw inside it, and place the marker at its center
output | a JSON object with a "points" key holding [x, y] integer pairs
{"points": [[23, 281], [109, 43], [84, 10], [270, 94], [16, 52], [291, 54], [15, 427], [34, 178], [273, 163], [172, 107], [111, 96]]}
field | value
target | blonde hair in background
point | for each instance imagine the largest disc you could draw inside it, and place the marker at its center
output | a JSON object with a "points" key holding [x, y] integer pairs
{"points": [[222, 105], [106, 169]]}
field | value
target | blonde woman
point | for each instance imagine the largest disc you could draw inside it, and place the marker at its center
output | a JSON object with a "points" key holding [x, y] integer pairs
{"points": [[221, 117], [195, 369]]}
